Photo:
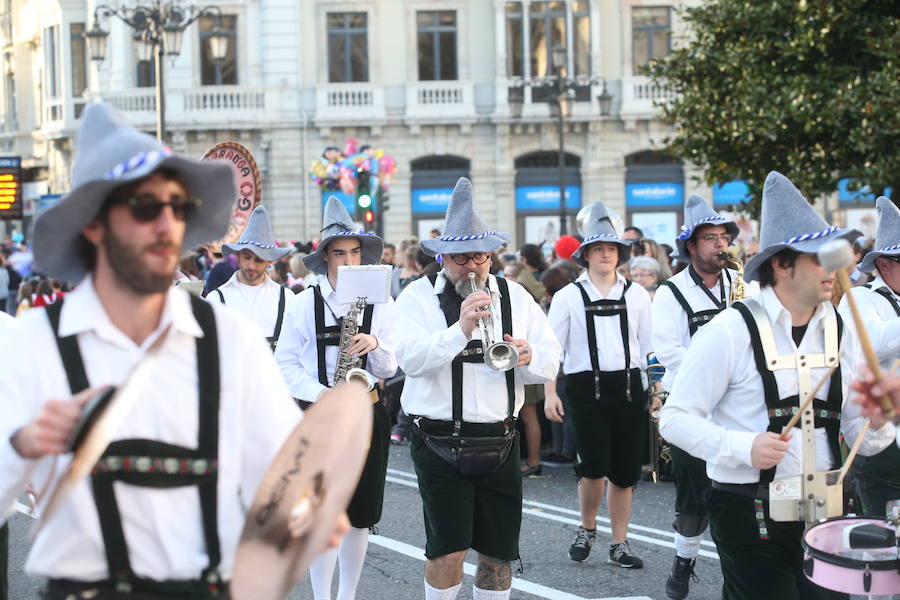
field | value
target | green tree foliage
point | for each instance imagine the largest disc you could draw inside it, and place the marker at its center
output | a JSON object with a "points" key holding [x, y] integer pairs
{"points": [[810, 88]]}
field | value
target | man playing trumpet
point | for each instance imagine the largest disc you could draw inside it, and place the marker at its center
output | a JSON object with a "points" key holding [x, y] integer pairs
{"points": [[461, 386]]}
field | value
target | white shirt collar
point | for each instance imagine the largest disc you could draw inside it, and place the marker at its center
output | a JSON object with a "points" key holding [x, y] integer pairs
{"points": [[233, 280], [620, 281], [775, 310], [82, 311]]}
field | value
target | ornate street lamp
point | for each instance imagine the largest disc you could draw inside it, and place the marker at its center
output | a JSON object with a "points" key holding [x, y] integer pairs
{"points": [[158, 32]]}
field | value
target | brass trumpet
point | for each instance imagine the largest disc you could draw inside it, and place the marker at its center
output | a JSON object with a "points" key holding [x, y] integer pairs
{"points": [[498, 355]]}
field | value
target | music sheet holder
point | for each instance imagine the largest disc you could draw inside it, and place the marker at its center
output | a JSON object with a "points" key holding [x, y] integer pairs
{"points": [[372, 282]]}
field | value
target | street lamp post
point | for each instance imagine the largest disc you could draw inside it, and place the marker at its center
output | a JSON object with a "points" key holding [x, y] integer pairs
{"points": [[565, 88], [158, 32]]}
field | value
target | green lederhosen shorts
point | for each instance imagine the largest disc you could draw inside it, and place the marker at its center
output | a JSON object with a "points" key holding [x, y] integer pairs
{"points": [[365, 506], [880, 480], [760, 558], [691, 483], [609, 435], [534, 394], [482, 512]]}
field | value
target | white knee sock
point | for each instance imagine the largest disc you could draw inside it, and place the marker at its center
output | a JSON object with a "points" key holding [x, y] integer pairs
{"points": [[436, 594], [480, 594], [351, 556], [687, 547], [320, 573]]}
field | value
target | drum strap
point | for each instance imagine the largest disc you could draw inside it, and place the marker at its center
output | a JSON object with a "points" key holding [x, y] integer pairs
{"points": [[148, 463], [827, 413], [331, 335], [474, 353], [607, 308]]}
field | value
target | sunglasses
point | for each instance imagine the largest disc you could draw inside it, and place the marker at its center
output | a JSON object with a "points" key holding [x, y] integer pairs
{"points": [[146, 208], [893, 259], [479, 258]]}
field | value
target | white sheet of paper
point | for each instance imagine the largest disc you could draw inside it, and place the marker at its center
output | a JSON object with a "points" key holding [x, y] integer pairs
{"points": [[372, 282]]}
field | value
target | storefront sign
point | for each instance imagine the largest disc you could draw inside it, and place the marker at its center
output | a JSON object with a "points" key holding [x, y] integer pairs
{"points": [[546, 197], [733, 192], [11, 188], [654, 194], [431, 199]]}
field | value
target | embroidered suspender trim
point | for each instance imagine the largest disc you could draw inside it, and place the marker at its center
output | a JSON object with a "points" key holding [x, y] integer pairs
{"points": [[696, 320]]}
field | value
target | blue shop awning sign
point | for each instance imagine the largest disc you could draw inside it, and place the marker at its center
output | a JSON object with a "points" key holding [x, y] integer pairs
{"points": [[546, 197], [348, 200], [431, 200], [733, 192], [654, 194], [863, 195]]}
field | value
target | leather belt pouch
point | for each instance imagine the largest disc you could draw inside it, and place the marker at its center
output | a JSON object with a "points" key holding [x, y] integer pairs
{"points": [[471, 455]]}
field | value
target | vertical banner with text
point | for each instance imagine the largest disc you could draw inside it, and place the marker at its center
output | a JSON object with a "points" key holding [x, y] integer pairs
{"points": [[10, 187]]}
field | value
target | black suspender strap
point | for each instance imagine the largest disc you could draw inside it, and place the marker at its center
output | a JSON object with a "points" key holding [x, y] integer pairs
{"points": [[331, 335], [720, 303], [607, 308], [696, 320], [473, 353], [277, 332], [68, 351], [827, 413], [366, 327], [886, 293], [149, 463], [221, 296]]}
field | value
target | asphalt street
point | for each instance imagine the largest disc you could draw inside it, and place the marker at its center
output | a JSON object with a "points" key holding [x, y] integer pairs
{"points": [[394, 565]]}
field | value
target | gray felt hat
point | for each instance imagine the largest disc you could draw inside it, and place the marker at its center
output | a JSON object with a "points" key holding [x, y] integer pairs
{"points": [[599, 228], [464, 230], [109, 153], [257, 238], [337, 224], [887, 239], [789, 221], [697, 213]]}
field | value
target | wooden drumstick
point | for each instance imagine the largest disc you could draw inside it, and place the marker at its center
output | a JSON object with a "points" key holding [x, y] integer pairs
{"points": [[837, 256], [807, 402], [853, 451]]}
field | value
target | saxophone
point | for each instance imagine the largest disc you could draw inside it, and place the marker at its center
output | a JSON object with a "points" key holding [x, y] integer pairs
{"points": [[737, 288], [349, 368]]}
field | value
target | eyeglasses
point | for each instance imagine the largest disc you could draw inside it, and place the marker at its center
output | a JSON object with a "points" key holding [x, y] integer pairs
{"points": [[893, 259], [146, 208], [714, 237], [479, 258]]}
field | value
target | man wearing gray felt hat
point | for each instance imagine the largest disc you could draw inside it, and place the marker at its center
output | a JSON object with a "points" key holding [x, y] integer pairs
{"points": [[768, 352], [452, 392], [879, 306], [602, 321], [337, 225], [250, 290], [119, 232]]}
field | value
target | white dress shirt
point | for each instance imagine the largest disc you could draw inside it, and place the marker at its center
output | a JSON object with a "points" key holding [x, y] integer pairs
{"points": [[426, 347], [163, 527], [298, 357], [567, 318], [256, 302], [718, 378], [881, 322], [671, 334]]}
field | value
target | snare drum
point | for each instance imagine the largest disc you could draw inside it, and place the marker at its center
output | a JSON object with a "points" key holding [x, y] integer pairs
{"points": [[853, 555]]}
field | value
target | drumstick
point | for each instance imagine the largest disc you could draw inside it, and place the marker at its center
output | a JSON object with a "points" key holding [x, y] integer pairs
{"points": [[807, 402], [853, 451], [837, 256]]}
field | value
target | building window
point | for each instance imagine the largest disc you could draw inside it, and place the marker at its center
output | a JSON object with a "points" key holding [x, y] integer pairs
{"points": [[546, 29], [218, 72], [78, 56], [145, 74], [651, 34], [348, 52], [437, 45], [51, 62]]}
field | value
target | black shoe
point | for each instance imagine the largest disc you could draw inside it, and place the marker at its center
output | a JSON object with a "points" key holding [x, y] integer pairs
{"points": [[678, 582], [581, 547], [557, 460], [621, 556]]}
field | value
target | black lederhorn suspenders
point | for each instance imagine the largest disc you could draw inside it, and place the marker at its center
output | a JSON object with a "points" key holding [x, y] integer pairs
{"points": [[149, 463], [607, 308], [331, 335]]}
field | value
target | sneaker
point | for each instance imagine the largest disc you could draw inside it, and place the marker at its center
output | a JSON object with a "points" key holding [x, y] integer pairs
{"points": [[581, 547], [679, 581], [621, 556], [557, 460], [397, 439]]}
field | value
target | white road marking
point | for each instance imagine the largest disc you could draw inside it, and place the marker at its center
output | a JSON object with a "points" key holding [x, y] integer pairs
{"points": [[408, 479], [529, 587]]}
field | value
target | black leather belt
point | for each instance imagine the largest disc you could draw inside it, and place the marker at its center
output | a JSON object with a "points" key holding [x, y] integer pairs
{"points": [[758, 491]]}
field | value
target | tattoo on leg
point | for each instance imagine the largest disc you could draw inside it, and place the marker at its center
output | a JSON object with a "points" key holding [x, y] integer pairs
{"points": [[493, 574]]}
